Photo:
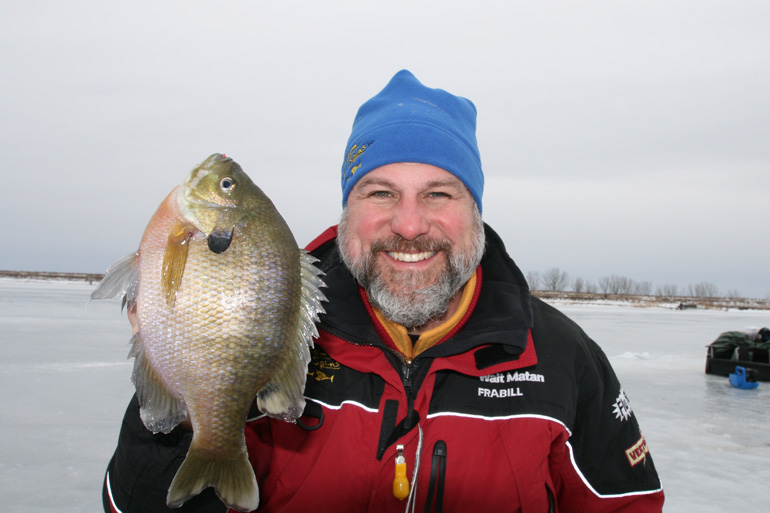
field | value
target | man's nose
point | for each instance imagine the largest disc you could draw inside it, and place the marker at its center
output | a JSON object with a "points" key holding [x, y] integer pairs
{"points": [[409, 219]]}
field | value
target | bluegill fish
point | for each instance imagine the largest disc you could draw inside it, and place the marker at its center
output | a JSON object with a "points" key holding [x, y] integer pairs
{"points": [[226, 307]]}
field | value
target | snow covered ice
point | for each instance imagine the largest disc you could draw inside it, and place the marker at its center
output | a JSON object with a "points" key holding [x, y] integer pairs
{"points": [[64, 375], [66, 382], [710, 441]]}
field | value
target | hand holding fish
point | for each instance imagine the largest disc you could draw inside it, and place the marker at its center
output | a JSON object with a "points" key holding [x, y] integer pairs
{"points": [[132, 318]]}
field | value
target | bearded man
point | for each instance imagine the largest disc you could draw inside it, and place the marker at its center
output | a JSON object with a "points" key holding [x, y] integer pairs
{"points": [[437, 382]]}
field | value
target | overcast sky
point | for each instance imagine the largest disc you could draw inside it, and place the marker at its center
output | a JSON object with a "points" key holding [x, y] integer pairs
{"points": [[627, 138]]}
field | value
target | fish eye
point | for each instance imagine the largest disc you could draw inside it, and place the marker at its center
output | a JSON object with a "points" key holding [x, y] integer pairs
{"points": [[227, 184]]}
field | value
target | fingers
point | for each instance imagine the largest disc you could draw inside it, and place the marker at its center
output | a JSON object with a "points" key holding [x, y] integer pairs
{"points": [[132, 318]]}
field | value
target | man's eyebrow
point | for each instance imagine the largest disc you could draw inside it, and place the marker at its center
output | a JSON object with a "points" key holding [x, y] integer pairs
{"points": [[366, 180], [448, 182], [384, 182]]}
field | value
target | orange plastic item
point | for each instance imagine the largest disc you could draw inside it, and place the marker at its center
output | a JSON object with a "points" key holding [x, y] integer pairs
{"points": [[400, 482]]}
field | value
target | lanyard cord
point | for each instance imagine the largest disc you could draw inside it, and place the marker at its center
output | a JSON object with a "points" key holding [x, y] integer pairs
{"points": [[412, 500]]}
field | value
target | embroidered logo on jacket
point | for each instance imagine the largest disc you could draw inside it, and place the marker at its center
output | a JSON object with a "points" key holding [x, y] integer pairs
{"points": [[500, 392], [332, 384], [322, 367], [622, 408], [320, 376], [637, 452], [507, 377]]}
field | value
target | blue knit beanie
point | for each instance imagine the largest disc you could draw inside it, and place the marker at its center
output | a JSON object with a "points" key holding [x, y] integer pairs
{"points": [[408, 122]]}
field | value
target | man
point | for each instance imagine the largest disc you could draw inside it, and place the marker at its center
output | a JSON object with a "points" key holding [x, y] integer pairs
{"points": [[437, 382]]}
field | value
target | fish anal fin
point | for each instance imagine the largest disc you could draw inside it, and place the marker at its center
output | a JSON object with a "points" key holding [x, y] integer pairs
{"points": [[282, 399], [160, 410], [174, 260], [232, 478], [283, 396]]}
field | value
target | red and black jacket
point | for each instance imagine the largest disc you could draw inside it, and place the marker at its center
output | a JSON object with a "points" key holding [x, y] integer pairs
{"points": [[516, 410]]}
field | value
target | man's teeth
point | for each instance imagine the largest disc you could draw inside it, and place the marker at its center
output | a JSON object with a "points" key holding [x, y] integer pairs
{"points": [[411, 257]]}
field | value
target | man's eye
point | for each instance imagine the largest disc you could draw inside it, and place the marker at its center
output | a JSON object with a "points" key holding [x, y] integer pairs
{"points": [[381, 194], [439, 195]]}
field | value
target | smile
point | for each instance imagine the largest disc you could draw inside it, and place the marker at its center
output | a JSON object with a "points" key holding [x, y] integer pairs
{"points": [[411, 257]]}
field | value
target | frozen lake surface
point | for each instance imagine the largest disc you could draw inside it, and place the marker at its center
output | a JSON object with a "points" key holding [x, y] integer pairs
{"points": [[65, 383]]}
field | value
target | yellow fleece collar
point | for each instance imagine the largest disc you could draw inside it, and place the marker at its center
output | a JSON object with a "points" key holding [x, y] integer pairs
{"points": [[433, 336]]}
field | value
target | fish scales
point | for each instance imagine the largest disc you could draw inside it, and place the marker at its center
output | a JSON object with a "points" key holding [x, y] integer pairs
{"points": [[226, 304], [208, 310]]}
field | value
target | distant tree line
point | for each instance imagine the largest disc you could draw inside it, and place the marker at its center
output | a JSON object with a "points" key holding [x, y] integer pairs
{"points": [[556, 280]]}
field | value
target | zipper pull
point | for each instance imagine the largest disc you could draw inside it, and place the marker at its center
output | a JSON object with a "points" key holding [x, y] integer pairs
{"points": [[400, 482], [407, 374]]}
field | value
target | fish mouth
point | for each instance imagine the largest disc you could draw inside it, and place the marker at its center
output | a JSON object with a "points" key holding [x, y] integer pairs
{"points": [[410, 257], [219, 240]]}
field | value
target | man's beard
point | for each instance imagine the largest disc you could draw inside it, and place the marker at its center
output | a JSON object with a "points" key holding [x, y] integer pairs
{"points": [[413, 299]]}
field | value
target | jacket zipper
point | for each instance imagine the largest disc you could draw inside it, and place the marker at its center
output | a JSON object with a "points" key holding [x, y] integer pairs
{"points": [[406, 365], [406, 378], [406, 371]]}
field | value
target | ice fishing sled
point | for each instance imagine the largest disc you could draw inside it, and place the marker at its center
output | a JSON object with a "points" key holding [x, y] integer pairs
{"points": [[749, 350]]}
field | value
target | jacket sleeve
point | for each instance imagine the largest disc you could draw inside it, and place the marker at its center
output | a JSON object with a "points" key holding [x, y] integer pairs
{"points": [[141, 470], [607, 466]]}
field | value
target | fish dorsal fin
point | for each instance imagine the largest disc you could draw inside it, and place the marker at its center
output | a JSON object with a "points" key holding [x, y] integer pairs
{"points": [[283, 396], [174, 259], [312, 297], [120, 280]]}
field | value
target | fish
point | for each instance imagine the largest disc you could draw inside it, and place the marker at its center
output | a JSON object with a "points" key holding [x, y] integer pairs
{"points": [[226, 308], [321, 376]]}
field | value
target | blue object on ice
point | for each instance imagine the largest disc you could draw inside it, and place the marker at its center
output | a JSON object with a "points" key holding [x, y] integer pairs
{"points": [[738, 380]]}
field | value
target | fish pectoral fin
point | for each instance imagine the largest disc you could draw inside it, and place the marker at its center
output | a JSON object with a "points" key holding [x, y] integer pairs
{"points": [[232, 478], [160, 410], [174, 259]]}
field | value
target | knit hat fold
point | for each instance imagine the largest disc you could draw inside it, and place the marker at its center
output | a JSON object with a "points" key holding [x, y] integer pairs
{"points": [[408, 122]]}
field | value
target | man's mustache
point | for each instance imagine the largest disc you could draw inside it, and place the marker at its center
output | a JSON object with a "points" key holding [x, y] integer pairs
{"points": [[419, 245]]}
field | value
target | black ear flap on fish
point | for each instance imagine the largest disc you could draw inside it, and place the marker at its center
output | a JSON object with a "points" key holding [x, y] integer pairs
{"points": [[174, 260], [219, 240]]}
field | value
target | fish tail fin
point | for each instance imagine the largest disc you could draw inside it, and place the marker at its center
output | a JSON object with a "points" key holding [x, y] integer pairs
{"points": [[283, 397], [233, 479]]}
